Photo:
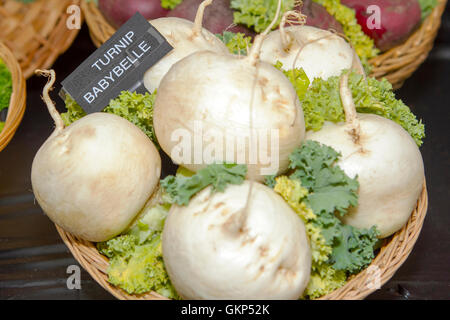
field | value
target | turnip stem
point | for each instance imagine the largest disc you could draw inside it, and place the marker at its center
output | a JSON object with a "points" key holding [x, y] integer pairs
{"points": [[198, 23], [349, 108], [357, 65], [257, 43], [296, 17], [50, 74]]}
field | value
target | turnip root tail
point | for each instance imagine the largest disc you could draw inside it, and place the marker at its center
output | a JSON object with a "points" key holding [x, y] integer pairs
{"points": [[290, 17], [357, 65], [253, 55], [198, 22], [349, 108], [50, 74]]}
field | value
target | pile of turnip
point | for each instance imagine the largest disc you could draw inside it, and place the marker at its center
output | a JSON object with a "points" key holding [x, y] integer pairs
{"points": [[94, 177]]}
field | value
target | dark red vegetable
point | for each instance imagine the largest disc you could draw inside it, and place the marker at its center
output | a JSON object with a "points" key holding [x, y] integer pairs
{"points": [[318, 16], [399, 18], [117, 12], [218, 16]]}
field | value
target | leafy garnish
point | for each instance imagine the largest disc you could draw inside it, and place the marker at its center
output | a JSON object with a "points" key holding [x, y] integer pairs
{"points": [[5, 86], [427, 6], [181, 188], [353, 248], [322, 103], [135, 258], [136, 108], [170, 4], [333, 190], [237, 43], [258, 14], [317, 189], [298, 78]]}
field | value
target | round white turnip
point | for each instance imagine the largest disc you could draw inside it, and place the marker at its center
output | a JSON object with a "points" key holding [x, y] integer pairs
{"points": [[93, 177], [185, 37], [385, 159], [243, 243], [321, 53]]}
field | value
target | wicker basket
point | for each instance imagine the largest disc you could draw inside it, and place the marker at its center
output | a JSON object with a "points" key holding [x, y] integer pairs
{"points": [[18, 97], [36, 32], [391, 256], [396, 65]]}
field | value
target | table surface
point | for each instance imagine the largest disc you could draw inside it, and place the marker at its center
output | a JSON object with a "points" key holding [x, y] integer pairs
{"points": [[34, 260]]}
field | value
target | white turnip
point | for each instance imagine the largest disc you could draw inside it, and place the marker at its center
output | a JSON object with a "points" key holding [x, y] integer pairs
{"points": [[185, 37], [93, 177], [231, 98], [386, 160], [243, 243], [320, 53]]}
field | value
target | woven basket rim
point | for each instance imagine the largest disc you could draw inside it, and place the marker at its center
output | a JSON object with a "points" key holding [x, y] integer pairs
{"points": [[51, 47], [396, 65], [391, 256], [17, 101]]}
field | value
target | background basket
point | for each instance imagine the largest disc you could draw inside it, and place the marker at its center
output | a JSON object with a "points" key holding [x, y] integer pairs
{"points": [[396, 65], [393, 253], [18, 97], [36, 32]]}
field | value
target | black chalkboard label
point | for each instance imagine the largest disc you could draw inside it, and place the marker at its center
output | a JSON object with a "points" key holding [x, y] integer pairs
{"points": [[118, 65]]}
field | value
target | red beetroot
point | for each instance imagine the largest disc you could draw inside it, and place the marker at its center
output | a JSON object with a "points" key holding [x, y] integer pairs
{"points": [[399, 18], [218, 16], [117, 12], [318, 16]]}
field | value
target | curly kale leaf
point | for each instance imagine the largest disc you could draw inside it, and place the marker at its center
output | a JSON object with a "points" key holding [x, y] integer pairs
{"points": [[181, 188]]}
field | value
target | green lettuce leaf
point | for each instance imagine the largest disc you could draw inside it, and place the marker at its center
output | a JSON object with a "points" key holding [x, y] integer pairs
{"points": [[322, 103], [237, 43], [170, 4], [136, 108], [298, 78], [135, 258], [258, 14], [427, 6], [5, 86]]}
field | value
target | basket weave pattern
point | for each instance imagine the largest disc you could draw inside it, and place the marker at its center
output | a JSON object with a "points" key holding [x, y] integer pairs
{"points": [[396, 65], [399, 63], [36, 32], [18, 97], [391, 256]]}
